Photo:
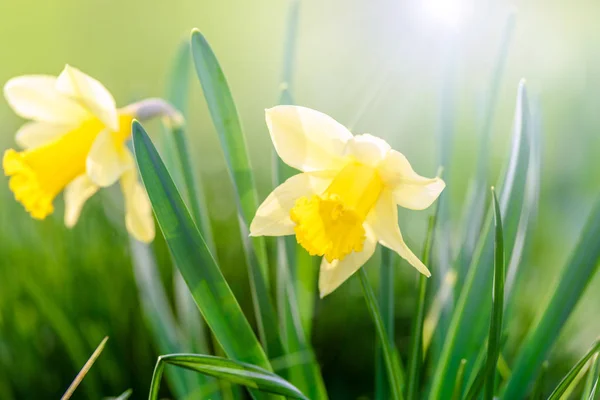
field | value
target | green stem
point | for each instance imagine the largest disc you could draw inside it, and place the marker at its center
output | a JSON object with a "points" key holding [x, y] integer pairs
{"points": [[497, 305], [394, 370], [416, 356], [386, 302]]}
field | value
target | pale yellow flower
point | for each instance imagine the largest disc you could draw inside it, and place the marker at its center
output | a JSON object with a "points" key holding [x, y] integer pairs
{"points": [[345, 200], [76, 142]]}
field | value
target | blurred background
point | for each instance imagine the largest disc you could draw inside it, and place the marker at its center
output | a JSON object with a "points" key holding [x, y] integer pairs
{"points": [[417, 73]]}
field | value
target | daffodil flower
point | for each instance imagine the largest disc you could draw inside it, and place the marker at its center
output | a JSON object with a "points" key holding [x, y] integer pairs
{"points": [[76, 143], [345, 200]]}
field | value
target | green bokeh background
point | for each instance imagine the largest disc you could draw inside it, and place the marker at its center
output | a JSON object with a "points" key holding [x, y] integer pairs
{"points": [[62, 290]]}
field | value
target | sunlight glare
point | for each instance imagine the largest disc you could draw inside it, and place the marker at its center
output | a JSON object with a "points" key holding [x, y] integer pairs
{"points": [[450, 13]]}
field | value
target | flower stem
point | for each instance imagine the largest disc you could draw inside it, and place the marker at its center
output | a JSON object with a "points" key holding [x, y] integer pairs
{"points": [[392, 363]]}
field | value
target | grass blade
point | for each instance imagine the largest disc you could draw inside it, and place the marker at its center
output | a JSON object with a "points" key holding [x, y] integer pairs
{"points": [[233, 142], [460, 381], [415, 363], [475, 208], [477, 385], [497, 304], [538, 387], [394, 370], [572, 374], [84, 370], [575, 276], [591, 382], [470, 319], [192, 257], [248, 375]]}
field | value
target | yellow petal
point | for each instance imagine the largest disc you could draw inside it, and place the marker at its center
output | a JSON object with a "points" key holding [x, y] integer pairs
{"points": [[36, 97], [91, 94], [306, 139], [333, 274], [107, 160], [367, 149], [409, 189], [273, 216], [138, 210], [76, 194], [35, 134], [383, 220]]}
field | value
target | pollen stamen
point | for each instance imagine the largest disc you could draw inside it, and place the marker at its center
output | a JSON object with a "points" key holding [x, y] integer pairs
{"points": [[331, 224]]}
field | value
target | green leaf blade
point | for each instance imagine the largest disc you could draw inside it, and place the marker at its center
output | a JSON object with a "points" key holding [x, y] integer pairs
{"points": [[211, 292], [471, 315], [393, 367], [572, 282], [493, 350], [241, 373], [229, 128], [572, 374]]}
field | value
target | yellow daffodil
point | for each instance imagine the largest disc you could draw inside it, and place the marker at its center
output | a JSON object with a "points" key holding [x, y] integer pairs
{"points": [[76, 142], [345, 200]]}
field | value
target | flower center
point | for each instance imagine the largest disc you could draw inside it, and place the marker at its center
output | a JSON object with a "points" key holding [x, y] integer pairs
{"points": [[39, 174], [331, 224]]}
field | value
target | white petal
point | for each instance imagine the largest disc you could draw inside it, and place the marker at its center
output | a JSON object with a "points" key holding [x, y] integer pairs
{"points": [[107, 160], [35, 134], [138, 210], [367, 149], [36, 97], [306, 139], [273, 216], [383, 220], [76, 194], [332, 275], [91, 94], [410, 190]]}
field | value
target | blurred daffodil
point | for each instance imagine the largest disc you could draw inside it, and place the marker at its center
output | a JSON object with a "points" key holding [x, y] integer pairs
{"points": [[76, 143], [345, 200]]}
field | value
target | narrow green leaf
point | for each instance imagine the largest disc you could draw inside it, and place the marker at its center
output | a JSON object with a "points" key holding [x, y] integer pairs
{"points": [[192, 257], [574, 278], [181, 165], [460, 381], [153, 298], [471, 317], [226, 120], [474, 210], [248, 375], [415, 363], [477, 386], [233, 142], [394, 369], [493, 350], [568, 379], [591, 382], [306, 373], [538, 387]]}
